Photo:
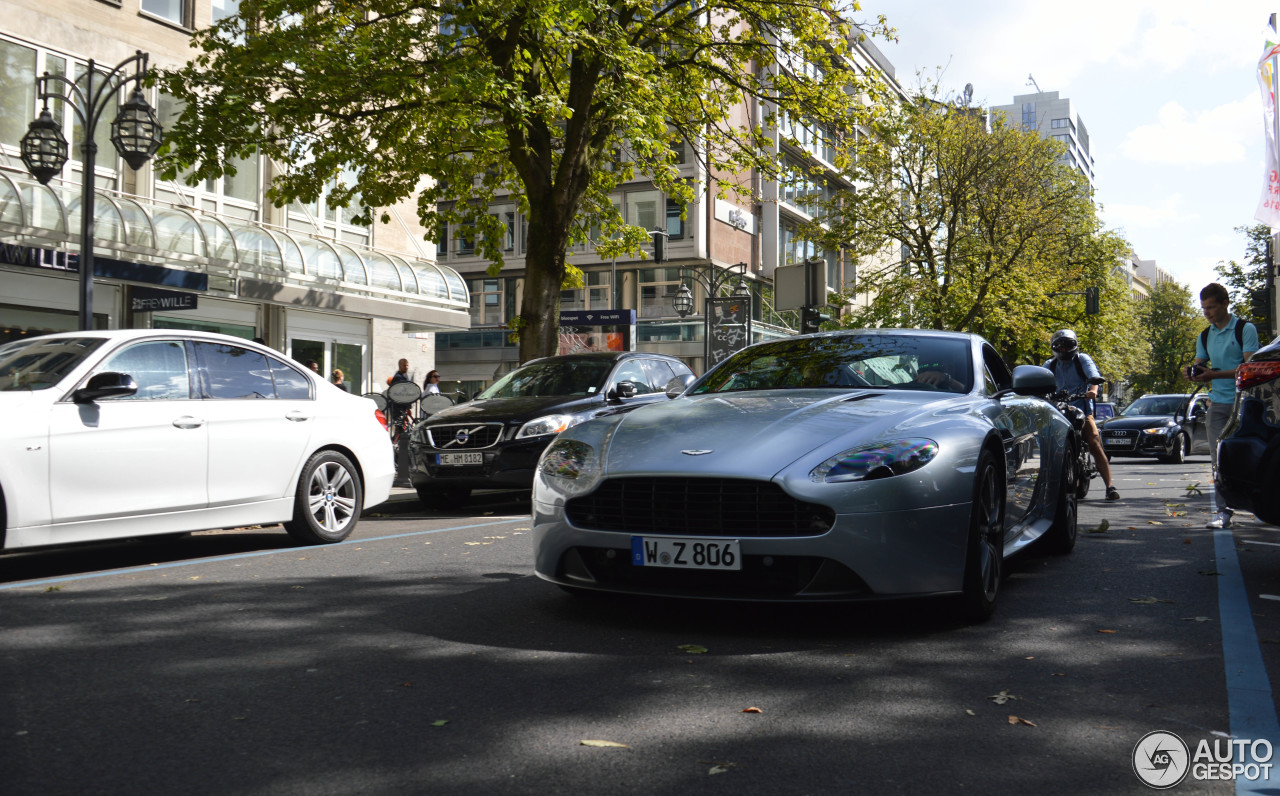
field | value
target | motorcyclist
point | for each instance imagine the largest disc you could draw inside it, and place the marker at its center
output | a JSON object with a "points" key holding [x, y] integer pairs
{"points": [[1073, 370]]}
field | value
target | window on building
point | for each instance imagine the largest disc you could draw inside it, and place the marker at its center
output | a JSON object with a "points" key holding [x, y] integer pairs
{"points": [[658, 286], [225, 8], [486, 301], [175, 11], [318, 218], [595, 296], [235, 195], [642, 208], [792, 249], [1028, 114], [17, 90], [675, 224]]}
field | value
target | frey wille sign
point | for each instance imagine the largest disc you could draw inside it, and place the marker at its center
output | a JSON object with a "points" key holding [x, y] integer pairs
{"points": [[147, 299], [13, 254]]}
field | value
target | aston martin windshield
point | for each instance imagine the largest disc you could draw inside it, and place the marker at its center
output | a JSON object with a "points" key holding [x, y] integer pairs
{"points": [[540, 379], [40, 363], [902, 362]]}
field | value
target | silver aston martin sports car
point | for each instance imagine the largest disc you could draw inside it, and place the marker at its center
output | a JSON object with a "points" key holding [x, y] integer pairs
{"points": [[848, 465]]}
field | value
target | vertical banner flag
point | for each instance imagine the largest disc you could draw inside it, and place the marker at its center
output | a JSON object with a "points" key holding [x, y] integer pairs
{"points": [[1268, 211]]}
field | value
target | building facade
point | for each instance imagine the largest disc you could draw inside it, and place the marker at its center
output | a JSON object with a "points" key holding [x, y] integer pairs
{"points": [[1051, 116], [213, 256]]}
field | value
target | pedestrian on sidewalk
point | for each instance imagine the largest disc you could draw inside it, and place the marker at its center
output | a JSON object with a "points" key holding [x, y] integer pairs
{"points": [[1224, 346]]}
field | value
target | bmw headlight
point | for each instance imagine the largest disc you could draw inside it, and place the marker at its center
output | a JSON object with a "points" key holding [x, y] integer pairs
{"points": [[548, 424], [871, 462]]}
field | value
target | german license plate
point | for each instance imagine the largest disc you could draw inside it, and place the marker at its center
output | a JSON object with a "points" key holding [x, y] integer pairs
{"points": [[1116, 441], [459, 459], [685, 553]]}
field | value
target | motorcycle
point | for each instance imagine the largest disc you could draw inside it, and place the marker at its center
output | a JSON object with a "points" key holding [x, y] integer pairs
{"points": [[1086, 467]]}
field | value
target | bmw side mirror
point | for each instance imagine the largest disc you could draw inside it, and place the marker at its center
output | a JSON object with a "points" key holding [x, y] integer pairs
{"points": [[105, 385], [677, 386]]}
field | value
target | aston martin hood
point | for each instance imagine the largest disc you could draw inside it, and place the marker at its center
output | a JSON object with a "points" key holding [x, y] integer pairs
{"points": [[735, 433]]}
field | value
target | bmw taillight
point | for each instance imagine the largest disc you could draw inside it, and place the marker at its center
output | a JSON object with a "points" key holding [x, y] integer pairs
{"points": [[1251, 374], [381, 419]]}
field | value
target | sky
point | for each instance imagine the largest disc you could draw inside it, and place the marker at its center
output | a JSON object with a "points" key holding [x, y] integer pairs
{"points": [[1166, 89]]}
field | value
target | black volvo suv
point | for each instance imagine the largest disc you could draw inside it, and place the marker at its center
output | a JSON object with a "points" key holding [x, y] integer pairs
{"points": [[494, 441]]}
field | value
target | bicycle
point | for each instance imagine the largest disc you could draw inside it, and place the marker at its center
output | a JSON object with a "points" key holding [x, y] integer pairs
{"points": [[396, 405]]}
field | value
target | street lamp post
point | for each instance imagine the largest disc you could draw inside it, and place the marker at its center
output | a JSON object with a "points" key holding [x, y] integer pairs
{"points": [[135, 133], [728, 333]]}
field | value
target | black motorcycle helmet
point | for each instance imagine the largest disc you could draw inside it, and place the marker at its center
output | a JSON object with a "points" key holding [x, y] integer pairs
{"points": [[1064, 344]]}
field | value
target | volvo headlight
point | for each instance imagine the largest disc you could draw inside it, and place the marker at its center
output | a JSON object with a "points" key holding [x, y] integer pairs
{"points": [[548, 424], [871, 462]]}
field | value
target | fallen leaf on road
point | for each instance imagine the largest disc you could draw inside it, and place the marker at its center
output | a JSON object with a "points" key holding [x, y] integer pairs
{"points": [[1154, 522], [693, 649], [1210, 572], [609, 744], [1196, 619], [1106, 631], [752, 710], [439, 722], [1144, 600], [717, 770], [1020, 720], [1002, 697]]}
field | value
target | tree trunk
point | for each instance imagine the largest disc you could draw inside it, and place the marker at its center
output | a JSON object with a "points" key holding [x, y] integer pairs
{"points": [[544, 269]]}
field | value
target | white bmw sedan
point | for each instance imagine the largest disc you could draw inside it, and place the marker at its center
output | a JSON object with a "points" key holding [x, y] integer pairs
{"points": [[124, 433]]}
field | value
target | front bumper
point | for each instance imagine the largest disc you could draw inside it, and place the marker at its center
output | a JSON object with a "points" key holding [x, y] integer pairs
{"points": [[1134, 442], [862, 557], [507, 465]]}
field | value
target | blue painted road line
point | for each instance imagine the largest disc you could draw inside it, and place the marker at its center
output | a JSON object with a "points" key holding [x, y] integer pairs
{"points": [[26, 584], [1250, 705]]}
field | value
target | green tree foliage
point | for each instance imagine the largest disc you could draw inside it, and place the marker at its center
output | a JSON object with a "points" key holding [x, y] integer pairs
{"points": [[1245, 279], [997, 234], [1170, 324], [552, 103]]}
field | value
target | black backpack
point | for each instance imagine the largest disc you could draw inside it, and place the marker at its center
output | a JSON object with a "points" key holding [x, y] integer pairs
{"points": [[1240, 324]]}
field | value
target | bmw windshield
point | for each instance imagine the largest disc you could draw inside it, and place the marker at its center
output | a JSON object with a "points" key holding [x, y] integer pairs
{"points": [[42, 362], [899, 362]]}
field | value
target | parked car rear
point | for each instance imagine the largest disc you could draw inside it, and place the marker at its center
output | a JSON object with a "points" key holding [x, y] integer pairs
{"points": [[1249, 451]]}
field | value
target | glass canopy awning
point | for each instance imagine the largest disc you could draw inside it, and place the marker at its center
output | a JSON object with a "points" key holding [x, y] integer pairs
{"points": [[139, 229]]}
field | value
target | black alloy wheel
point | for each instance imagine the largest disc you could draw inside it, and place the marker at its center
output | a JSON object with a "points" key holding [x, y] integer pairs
{"points": [[984, 562]]}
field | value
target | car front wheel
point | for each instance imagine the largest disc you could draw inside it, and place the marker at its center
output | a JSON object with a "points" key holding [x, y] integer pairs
{"points": [[328, 501], [984, 561], [1177, 450]]}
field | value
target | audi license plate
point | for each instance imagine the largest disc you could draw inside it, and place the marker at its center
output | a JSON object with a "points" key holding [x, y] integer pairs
{"points": [[459, 459], [1116, 441], [685, 553]]}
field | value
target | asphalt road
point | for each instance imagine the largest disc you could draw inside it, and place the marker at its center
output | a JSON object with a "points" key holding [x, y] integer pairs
{"points": [[423, 656]]}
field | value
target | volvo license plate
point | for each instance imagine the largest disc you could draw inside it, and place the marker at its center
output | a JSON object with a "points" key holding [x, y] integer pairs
{"points": [[459, 459], [685, 552]]}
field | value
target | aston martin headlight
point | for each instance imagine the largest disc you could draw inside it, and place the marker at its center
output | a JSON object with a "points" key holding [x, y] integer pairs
{"points": [[567, 458], [548, 424], [871, 462]]}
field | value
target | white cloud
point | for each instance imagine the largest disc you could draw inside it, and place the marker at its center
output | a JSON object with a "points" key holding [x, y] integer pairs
{"points": [[1172, 210], [1200, 138]]}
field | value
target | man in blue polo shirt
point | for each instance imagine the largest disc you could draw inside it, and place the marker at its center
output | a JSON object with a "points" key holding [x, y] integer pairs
{"points": [[1220, 349]]}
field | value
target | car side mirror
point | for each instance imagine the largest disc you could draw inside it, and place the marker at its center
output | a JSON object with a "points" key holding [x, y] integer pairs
{"points": [[677, 386], [622, 390], [105, 385], [1034, 380]]}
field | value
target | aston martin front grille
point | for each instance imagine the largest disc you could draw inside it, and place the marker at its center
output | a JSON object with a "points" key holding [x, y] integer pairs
{"points": [[698, 507]]}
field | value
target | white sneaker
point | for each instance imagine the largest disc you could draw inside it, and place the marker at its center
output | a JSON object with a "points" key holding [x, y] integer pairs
{"points": [[1223, 520]]}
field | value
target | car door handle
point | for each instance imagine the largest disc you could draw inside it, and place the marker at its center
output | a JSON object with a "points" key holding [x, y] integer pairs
{"points": [[298, 417], [187, 421]]}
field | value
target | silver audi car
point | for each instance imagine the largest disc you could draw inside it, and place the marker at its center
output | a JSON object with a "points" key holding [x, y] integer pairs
{"points": [[849, 465]]}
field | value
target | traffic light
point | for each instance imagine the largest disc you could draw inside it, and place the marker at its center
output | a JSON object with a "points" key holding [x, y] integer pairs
{"points": [[811, 319], [1091, 301], [659, 246]]}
